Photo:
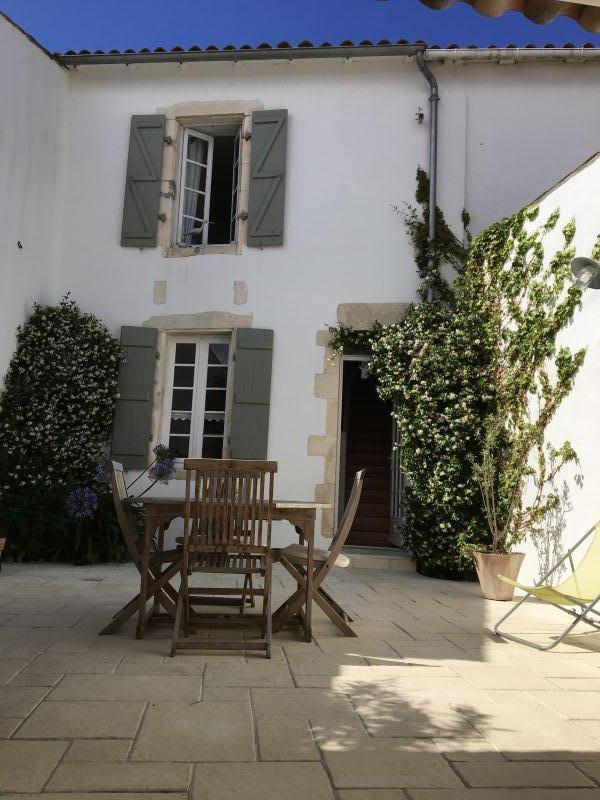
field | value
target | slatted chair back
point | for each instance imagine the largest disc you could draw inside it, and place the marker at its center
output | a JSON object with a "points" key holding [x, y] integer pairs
{"points": [[124, 511], [228, 505], [339, 540]]}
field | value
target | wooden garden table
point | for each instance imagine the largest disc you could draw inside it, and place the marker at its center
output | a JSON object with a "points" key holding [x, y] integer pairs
{"points": [[161, 511]]}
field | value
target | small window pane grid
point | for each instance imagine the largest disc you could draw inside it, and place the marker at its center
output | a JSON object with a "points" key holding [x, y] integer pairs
{"points": [[197, 418], [235, 188], [196, 170]]}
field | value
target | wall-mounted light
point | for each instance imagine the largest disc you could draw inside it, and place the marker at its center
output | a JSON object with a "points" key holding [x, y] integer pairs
{"points": [[586, 272]]}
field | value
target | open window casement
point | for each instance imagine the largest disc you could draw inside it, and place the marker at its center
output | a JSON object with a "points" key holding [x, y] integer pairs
{"points": [[208, 185], [195, 182]]}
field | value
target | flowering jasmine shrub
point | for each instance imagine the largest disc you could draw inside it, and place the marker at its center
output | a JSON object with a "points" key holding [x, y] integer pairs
{"points": [[435, 369], [56, 413]]}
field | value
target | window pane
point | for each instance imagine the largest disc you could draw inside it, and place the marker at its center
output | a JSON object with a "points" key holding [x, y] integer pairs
{"points": [[181, 425], [184, 376], [218, 353], [185, 353], [214, 424], [197, 149], [195, 176], [216, 376], [215, 400], [193, 206], [180, 446], [182, 399], [212, 448]]}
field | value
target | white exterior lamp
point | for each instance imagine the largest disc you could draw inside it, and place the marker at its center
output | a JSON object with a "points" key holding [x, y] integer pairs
{"points": [[586, 272]]}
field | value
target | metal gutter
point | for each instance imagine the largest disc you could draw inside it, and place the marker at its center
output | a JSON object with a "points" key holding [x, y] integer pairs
{"points": [[266, 54], [513, 55], [434, 99]]}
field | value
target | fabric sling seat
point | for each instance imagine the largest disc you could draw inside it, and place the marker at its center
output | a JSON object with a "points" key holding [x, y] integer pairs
{"points": [[580, 589]]}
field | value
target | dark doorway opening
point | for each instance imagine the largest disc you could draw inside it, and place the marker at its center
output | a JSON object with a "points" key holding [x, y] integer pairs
{"points": [[366, 442]]}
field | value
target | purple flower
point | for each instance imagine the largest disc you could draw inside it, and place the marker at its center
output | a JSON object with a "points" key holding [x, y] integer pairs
{"points": [[101, 473], [162, 470], [81, 502]]}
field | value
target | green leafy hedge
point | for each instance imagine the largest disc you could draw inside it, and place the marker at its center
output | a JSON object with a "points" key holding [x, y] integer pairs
{"points": [[56, 412]]}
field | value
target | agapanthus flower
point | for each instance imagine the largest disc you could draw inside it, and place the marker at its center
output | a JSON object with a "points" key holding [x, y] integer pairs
{"points": [[81, 502], [162, 470]]}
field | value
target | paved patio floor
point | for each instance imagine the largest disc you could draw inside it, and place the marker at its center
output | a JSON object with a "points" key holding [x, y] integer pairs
{"points": [[424, 705]]}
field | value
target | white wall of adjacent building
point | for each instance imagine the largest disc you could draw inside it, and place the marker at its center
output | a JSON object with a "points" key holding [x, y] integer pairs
{"points": [[33, 105], [577, 420], [506, 134]]}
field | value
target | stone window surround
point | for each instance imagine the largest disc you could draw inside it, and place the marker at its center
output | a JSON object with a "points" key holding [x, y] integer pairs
{"points": [[169, 325], [207, 113], [360, 316]]}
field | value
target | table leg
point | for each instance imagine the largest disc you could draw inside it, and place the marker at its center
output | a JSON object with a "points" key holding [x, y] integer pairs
{"points": [[309, 532], [144, 572]]}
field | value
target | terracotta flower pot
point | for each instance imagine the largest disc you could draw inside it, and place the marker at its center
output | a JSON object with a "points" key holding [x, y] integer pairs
{"points": [[490, 565]]}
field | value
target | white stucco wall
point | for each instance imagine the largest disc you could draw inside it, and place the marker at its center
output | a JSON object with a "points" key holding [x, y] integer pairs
{"points": [[33, 99], [577, 420], [353, 149]]}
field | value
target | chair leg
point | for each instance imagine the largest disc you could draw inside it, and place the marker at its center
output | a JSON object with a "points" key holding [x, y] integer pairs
{"points": [[344, 614], [333, 615], [581, 617], [268, 619], [177, 624]]}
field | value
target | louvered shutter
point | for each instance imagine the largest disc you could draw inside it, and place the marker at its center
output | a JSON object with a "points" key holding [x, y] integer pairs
{"points": [[251, 393], [267, 178], [133, 412], [142, 185]]}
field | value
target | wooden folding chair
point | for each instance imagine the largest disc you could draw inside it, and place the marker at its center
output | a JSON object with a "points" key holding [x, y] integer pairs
{"points": [[227, 530], [295, 559], [159, 590]]}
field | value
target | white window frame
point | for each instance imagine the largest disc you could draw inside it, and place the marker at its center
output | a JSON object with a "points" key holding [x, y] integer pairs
{"points": [[195, 134], [235, 187], [202, 342]]}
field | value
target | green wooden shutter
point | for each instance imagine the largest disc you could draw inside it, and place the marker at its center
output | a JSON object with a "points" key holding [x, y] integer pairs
{"points": [[267, 178], [133, 412], [251, 393], [142, 185]]}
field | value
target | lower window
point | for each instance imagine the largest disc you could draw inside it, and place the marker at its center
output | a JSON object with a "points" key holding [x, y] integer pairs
{"points": [[196, 409]]}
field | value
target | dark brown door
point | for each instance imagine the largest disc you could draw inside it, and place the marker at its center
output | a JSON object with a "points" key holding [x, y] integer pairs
{"points": [[366, 443]]}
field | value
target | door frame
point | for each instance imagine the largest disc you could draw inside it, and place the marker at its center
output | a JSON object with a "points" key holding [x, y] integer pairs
{"points": [[339, 481]]}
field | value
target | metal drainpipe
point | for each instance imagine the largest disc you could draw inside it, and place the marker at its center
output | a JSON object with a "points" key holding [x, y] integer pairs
{"points": [[434, 99]]}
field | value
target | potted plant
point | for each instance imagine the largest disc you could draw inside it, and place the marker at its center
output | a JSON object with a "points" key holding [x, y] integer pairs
{"points": [[507, 475]]}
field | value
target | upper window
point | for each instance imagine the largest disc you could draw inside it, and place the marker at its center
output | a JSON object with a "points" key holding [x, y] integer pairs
{"points": [[209, 185], [196, 422]]}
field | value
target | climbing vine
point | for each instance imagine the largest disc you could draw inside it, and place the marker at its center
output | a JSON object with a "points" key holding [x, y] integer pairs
{"points": [[474, 379]]}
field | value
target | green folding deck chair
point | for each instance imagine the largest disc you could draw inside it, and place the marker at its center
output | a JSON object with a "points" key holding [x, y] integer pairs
{"points": [[581, 590]]}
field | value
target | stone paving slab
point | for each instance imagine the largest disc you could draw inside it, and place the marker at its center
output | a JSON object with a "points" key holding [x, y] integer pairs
{"points": [[381, 764], [194, 732], [127, 687], [82, 720], [19, 701], [120, 777], [97, 750], [26, 766], [261, 781], [522, 775]]}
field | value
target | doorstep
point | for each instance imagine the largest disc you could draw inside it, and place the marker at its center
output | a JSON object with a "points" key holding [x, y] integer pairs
{"points": [[391, 559]]}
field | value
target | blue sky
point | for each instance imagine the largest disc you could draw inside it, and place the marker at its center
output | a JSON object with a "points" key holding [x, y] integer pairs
{"points": [[104, 24]]}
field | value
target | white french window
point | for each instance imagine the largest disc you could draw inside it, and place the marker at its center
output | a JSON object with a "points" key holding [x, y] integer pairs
{"points": [[196, 409], [195, 183]]}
